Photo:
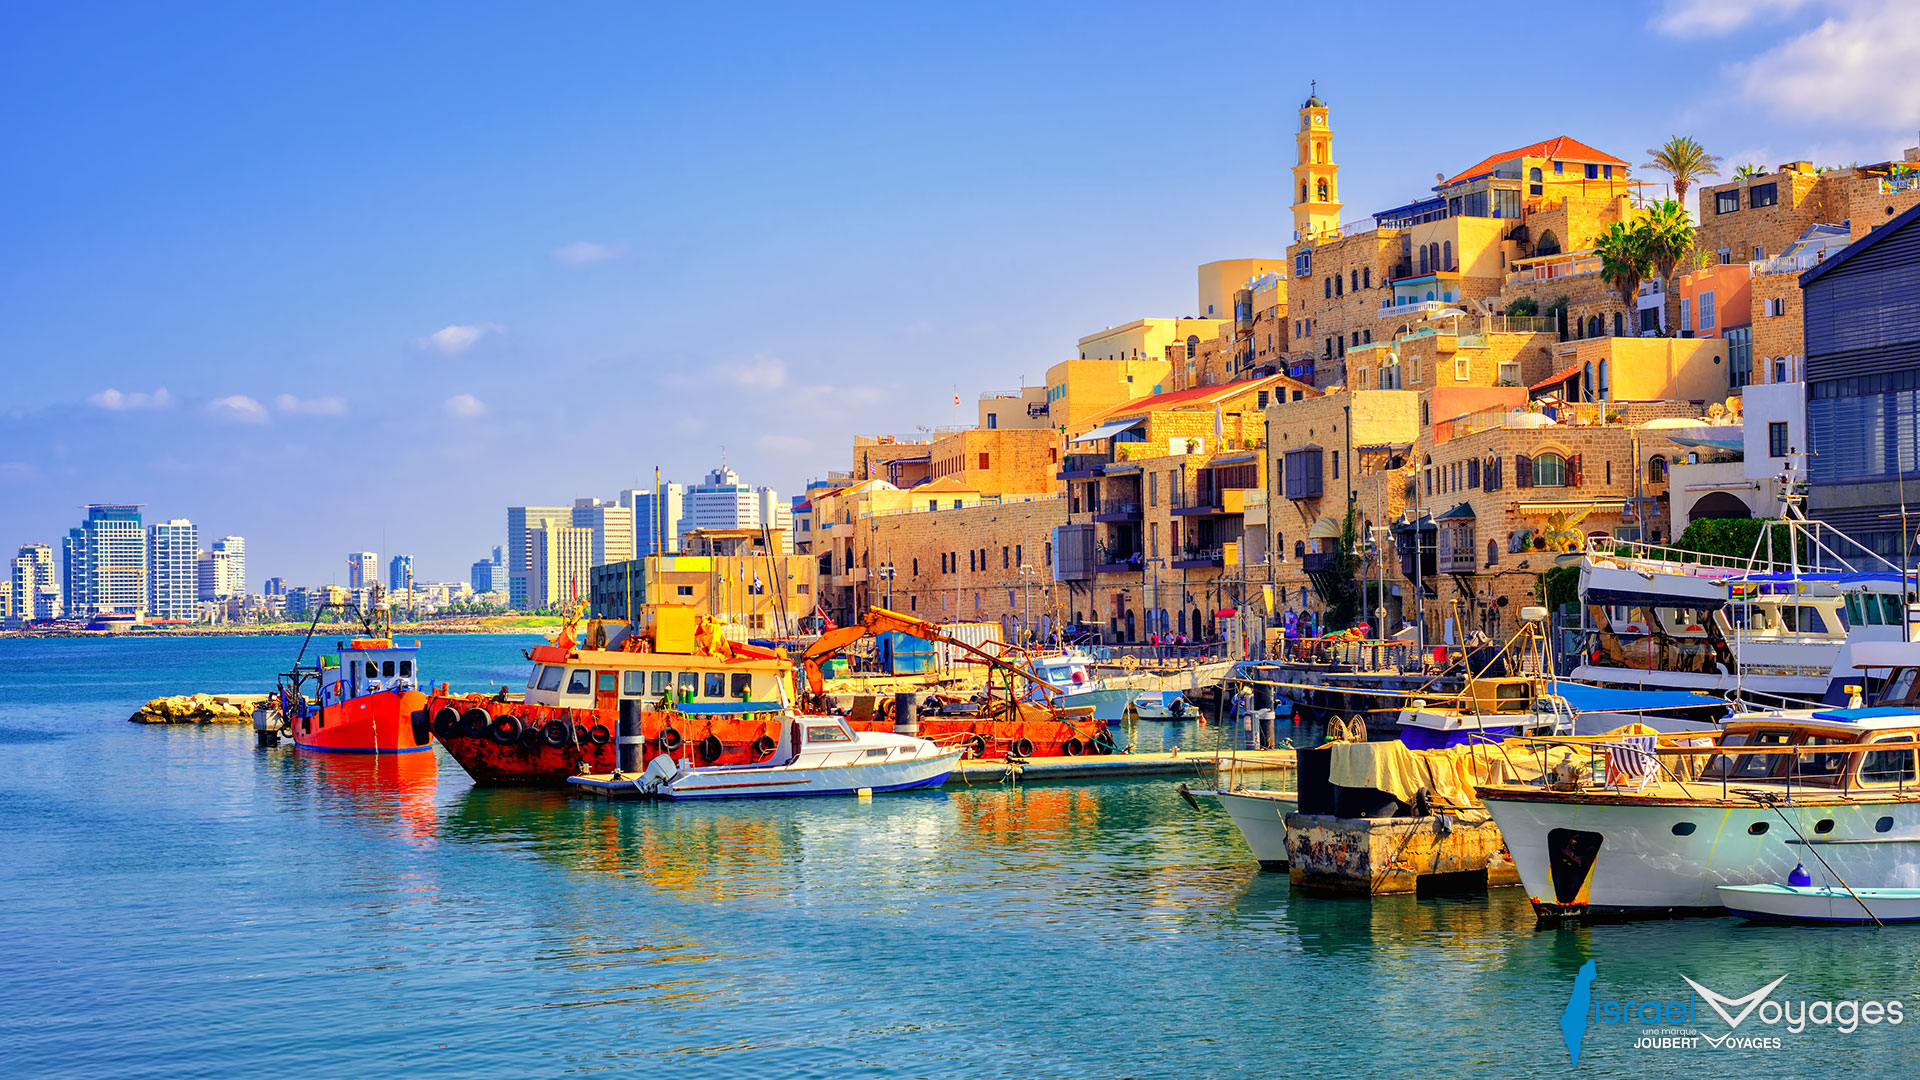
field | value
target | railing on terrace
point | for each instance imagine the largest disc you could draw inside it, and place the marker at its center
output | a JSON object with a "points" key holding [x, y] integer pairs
{"points": [[991, 395], [1570, 266], [1084, 462], [1520, 324], [1790, 264], [1176, 654]]}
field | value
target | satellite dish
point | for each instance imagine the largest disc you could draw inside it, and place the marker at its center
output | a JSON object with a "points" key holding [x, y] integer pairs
{"points": [[1439, 178]]}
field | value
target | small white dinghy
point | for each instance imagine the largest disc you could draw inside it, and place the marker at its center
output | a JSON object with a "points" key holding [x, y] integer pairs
{"points": [[1169, 705], [816, 755], [1261, 817], [1820, 903]]}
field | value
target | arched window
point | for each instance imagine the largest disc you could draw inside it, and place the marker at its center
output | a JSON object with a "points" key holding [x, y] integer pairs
{"points": [[1619, 324], [1323, 191], [1446, 255], [1656, 469], [1303, 191], [1425, 410], [1586, 382], [1339, 285], [1493, 546], [1193, 345], [1593, 326], [1299, 549], [1366, 278], [1356, 281], [1549, 244], [1423, 259], [1604, 387], [1549, 470], [1533, 174], [1329, 287]]}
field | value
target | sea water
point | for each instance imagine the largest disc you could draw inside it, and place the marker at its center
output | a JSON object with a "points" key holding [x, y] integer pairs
{"points": [[177, 903]]}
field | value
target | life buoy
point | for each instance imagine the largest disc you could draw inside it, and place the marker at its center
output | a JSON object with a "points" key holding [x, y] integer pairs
{"points": [[599, 734], [1073, 748], [446, 724], [670, 739], [555, 732], [505, 729], [976, 746], [475, 722], [711, 748], [763, 746], [1021, 747]]}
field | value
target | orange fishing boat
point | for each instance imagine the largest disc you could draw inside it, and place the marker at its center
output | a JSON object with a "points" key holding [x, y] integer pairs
{"points": [[366, 696]]}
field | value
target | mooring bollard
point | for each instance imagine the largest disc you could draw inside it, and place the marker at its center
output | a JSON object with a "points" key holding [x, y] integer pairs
{"points": [[906, 714], [628, 740]]}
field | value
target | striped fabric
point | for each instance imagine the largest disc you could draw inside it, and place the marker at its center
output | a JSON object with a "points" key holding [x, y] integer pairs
{"points": [[1632, 763]]}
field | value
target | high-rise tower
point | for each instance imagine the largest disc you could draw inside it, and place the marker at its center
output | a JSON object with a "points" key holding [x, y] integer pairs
{"points": [[1316, 179]]}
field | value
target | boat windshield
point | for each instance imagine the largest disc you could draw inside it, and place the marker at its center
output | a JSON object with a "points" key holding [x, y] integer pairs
{"points": [[1900, 688], [1748, 766], [1824, 769]]}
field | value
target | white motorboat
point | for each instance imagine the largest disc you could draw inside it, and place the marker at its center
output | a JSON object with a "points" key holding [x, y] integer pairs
{"points": [[1261, 818], [1650, 839], [1169, 705], [1820, 903], [1072, 673], [816, 755]]}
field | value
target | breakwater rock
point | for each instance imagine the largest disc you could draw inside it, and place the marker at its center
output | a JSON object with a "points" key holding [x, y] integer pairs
{"points": [[199, 709]]}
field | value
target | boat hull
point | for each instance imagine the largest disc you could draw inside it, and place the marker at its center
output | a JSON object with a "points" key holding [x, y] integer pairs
{"points": [[789, 781], [1108, 705], [467, 726], [1613, 858], [1261, 818], [1820, 903], [388, 722]]}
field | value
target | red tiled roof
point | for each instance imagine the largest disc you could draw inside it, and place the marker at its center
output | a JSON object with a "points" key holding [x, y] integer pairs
{"points": [[1191, 396], [1557, 377], [1562, 148]]}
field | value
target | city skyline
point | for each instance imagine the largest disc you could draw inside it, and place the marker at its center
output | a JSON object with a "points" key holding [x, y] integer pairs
{"points": [[423, 281]]}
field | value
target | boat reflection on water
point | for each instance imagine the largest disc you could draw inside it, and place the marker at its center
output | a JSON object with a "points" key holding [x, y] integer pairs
{"points": [[398, 789]]}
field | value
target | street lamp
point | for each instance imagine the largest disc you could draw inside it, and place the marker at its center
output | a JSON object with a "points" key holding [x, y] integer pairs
{"points": [[1419, 554], [1153, 597]]}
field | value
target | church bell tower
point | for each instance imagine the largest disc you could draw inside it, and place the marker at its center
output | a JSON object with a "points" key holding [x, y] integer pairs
{"points": [[1316, 179]]}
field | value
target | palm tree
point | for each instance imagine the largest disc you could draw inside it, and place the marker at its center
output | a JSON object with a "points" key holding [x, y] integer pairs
{"points": [[1666, 234], [1685, 160], [1624, 261], [1748, 172]]}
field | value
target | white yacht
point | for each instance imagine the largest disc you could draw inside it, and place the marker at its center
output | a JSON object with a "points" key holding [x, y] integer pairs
{"points": [[816, 755], [1072, 673]]}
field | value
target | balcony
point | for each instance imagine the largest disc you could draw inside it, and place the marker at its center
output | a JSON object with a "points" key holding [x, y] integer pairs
{"points": [[1118, 510], [1552, 268], [1458, 552], [1200, 559], [1222, 503], [1083, 466], [1119, 562], [1318, 562]]}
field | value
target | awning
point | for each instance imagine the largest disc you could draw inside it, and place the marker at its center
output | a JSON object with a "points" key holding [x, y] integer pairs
{"points": [[1234, 459], [1586, 698], [1558, 377], [1109, 430], [1325, 528], [1464, 510]]}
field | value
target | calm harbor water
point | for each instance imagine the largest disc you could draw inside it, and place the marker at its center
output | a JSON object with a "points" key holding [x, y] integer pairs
{"points": [[174, 902]]}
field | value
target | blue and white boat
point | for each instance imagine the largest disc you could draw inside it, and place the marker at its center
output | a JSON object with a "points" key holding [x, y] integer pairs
{"points": [[1166, 705], [1820, 903]]}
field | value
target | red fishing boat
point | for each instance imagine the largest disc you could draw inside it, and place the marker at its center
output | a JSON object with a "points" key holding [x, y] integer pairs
{"points": [[696, 695], [366, 696]]}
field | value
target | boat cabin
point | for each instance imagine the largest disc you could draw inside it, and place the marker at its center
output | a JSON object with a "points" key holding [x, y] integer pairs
{"points": [[368, 666], [588, 679], [1837, 750]]}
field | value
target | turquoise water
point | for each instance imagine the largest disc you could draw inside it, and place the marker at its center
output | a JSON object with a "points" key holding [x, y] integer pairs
{"points": [[174, 902]]}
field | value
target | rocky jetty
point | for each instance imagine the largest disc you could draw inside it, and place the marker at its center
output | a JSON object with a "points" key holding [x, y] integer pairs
{"points": [[199, 709]]}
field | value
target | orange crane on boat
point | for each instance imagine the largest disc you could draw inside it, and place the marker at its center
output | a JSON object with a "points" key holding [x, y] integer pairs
{"points": [[879, 620]]}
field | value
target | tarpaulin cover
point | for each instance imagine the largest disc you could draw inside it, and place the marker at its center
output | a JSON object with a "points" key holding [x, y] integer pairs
{"points": [[1586, 698], [1452, 775]]}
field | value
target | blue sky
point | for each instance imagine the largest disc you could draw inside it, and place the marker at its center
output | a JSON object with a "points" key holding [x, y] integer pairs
{"points": [[352, 278]]}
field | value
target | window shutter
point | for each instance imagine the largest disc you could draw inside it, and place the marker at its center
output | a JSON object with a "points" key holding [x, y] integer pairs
{"points": [[1314, 467], [1473, 473], [1522, 471], [1573, 471]]}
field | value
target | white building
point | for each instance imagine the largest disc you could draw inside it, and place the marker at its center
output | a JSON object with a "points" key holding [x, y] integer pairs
{"points": [[363, 569], [35, 590], [521, 521], [612, 526], [235, 549], [562, 572], [115, 548], [173, 570]]}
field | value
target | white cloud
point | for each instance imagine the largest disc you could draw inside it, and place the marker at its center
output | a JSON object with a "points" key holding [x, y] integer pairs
{"points": [[238, 408], [1687, 18], [849, 397], [582, 252], [456, 339], [1856, 68], [116, 401], [466, 406], [16, 472], [762, 372], [320, 406], [786, 444]]}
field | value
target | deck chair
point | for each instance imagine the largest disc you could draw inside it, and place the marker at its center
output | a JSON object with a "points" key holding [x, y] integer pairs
{"points": [[1632, 763]]}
